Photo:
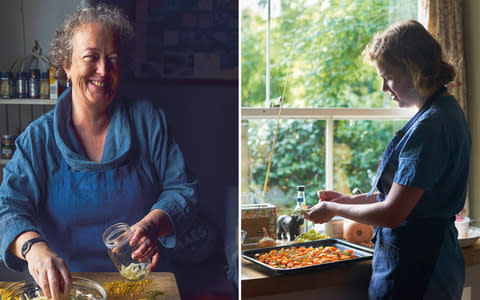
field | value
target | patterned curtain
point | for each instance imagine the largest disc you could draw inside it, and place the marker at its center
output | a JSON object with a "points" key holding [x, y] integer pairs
{"points": [[444, 20]]}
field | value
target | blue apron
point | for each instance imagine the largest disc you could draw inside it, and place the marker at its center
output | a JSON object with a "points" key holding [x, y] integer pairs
{"points": [[406, 258], [81, 205]]}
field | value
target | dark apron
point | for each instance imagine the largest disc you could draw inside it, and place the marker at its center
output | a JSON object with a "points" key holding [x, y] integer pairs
{"points": [[405, 257], [81, 205]]}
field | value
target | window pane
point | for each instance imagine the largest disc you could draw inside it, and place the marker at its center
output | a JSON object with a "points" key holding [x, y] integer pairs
{"points": [[359, 145], [323, 41], [298, 159]]}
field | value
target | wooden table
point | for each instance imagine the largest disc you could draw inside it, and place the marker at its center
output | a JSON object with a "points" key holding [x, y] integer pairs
{"points": [[349, 279], [160, 281]]}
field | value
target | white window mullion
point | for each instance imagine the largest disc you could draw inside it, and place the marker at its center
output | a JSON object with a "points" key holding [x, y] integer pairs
{"points": [[329, 154]]}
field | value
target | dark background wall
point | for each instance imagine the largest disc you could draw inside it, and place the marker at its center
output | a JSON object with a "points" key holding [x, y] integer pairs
{"points": [[203, 116]]}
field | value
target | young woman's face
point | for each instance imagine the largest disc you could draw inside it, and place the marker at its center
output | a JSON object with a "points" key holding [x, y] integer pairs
{"points": [[95, 65], [399, 84]]}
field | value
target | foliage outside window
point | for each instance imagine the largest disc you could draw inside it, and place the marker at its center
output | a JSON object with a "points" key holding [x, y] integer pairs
{"points": [[321, 41]]}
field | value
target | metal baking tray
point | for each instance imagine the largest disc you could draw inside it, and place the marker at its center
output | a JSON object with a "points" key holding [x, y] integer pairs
{"points": [[362, 253]]}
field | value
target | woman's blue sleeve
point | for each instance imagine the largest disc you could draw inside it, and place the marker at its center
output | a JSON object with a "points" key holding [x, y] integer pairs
{"points": [[179, 196], [19, 193]]}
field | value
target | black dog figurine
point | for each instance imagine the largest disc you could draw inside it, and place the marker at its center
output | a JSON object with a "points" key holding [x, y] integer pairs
{"points": [[289, 224]]}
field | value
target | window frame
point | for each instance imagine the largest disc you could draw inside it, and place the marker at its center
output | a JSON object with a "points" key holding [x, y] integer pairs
{"points": [[329, 115]]}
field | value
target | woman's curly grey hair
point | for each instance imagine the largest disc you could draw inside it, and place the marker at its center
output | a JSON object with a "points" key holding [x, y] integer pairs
{"points": [[61, 45]]}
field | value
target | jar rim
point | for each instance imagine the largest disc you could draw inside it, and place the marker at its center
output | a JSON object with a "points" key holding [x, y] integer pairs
{"points": [[115, 236]]}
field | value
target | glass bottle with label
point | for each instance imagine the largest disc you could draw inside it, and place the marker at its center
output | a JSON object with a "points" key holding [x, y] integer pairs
{"points": [[22, 85], [4, 85], [301, 205], [8, 146], [34, 83], [44, 85]]}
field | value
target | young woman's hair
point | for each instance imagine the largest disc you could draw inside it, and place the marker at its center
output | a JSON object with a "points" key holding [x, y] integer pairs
{"points": [[410, 46], [109, 17]]}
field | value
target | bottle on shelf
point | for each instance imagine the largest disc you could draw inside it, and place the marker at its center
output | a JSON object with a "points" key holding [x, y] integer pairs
{"points": [[22, 85], [34, 83], [44, 85], [54, 93]]}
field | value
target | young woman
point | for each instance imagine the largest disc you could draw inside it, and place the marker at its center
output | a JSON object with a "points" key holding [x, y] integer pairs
{"points": [[422, 176]]}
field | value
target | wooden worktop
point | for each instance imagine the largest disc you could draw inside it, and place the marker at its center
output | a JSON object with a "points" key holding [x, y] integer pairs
{"points": [[257, 281]]}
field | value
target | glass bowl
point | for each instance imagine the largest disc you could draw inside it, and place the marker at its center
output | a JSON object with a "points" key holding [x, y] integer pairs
{"points": [[82, 289]]}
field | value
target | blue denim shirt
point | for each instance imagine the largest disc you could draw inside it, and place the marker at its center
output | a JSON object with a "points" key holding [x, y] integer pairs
{"points": [[49, 186]]}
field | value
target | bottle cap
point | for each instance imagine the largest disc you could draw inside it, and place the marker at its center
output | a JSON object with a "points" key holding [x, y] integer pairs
{"points": [[300, 188], [34, 73]]}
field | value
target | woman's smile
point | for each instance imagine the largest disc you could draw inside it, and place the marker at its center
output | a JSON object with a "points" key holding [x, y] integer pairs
{"points": [[95, 65]]}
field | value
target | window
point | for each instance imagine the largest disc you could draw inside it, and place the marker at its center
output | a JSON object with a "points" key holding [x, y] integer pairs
{"points": [[335, 120]]}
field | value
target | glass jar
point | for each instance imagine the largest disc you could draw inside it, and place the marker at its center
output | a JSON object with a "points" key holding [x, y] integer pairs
{"points": [[8, 145], [22, 85], [5, 85], [117, 240], [34, 83], [44, 85]]}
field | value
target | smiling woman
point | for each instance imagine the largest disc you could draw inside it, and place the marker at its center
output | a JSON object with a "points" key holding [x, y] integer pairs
{"points": [[95, 160]]}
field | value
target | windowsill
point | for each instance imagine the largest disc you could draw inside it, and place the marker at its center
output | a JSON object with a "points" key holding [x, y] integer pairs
{"points": [[327, 113]]}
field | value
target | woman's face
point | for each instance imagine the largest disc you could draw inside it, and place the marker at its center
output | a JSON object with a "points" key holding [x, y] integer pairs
{"points": [[95, 65], [399, 84]]}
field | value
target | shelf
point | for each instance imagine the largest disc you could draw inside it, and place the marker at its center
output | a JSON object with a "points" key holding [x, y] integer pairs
{"points": [[29, 101], [3, 161]]}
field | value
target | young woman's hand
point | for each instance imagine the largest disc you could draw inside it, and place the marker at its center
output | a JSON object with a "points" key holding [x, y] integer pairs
{"points": [[320, 213], [333, 196]]}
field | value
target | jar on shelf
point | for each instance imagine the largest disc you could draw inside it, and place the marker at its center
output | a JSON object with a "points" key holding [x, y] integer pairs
{"points": [[34, 83], [8, 145], [22, 85], [117, 240], [44, 85], [5, 85]]}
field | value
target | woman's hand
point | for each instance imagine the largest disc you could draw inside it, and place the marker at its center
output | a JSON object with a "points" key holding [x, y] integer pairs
{"points": [[333, 196], [145, 235], [49, 271], [320, 213]]}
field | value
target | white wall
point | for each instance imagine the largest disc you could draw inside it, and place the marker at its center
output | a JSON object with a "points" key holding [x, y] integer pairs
{"points": [[38, 22], [472, 61]]}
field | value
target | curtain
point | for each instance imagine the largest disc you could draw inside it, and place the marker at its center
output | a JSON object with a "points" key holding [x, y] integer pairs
{"points": [[444, 20]]}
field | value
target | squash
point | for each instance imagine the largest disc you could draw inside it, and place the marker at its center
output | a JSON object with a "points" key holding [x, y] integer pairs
{"points": [[356, 232]]}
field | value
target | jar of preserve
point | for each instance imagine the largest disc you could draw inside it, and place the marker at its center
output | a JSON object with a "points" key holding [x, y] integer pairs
{"points": [[34, 83], [44, 85], [22, 85], [117, 240], [8, 145], [5, 84]]}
